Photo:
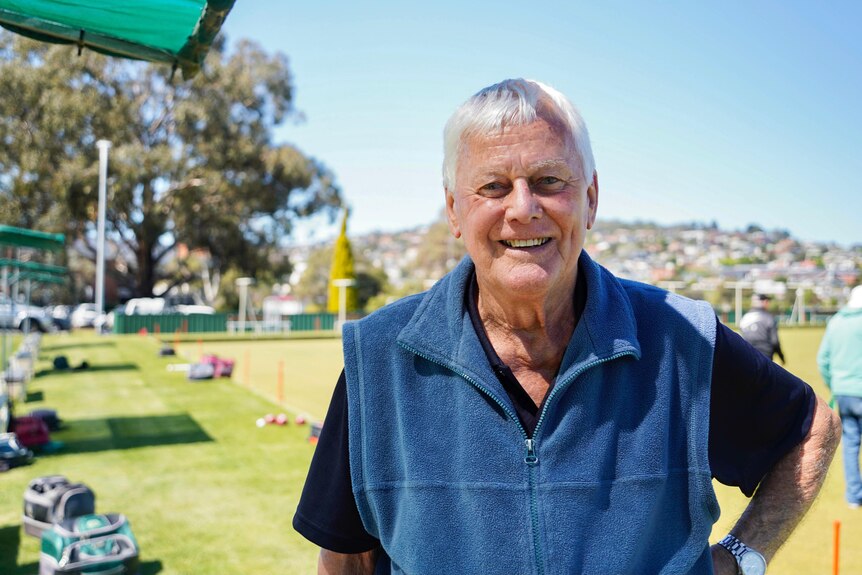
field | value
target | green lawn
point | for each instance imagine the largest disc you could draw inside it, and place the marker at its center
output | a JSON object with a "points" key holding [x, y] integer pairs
{"points": [[207, 492], [310, 368], [809, 550]]}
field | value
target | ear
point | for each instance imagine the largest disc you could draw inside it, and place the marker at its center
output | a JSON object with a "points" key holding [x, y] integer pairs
{"points": [[451, 215], [593, 200]]}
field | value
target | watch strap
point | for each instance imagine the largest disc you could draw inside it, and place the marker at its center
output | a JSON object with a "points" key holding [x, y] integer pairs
{"points": [[734, 545], [737, 548]]}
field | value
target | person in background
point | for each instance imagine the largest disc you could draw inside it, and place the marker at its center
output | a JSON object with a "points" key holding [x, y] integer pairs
{"points": [[533, 414], [760, 328], [840, 363]]}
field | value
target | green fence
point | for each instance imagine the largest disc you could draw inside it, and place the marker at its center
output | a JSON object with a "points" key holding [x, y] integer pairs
{"points": [[312, 321], [171, 323], [206, 323]]}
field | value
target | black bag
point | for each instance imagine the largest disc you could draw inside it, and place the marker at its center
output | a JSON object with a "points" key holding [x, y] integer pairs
{"points": [[61, 362], [51, 499], [49, 416]]}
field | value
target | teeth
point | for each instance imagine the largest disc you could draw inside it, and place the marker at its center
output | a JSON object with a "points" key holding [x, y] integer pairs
{"points": [[525, 243]]}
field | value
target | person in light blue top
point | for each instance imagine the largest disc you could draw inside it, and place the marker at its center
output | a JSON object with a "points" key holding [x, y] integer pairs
{"points": [[840, 363]]}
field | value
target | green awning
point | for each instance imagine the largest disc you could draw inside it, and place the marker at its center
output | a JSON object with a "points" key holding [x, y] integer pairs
{"points": [[40, 278], [178, 32], [36, 267], [23, 238]]}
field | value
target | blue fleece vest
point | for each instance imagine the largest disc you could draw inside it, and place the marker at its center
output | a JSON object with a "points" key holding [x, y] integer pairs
{"points": [[616, 478]]}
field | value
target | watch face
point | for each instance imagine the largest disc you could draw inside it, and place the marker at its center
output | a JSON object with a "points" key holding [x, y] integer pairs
{"points": [[752, 563]]}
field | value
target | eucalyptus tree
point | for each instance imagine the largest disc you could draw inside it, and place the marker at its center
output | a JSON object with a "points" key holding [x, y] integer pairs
{"points": [[193, 165]]}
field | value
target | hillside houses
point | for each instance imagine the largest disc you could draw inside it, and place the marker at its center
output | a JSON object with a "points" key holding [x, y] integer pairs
{"points": [[698, 260]]}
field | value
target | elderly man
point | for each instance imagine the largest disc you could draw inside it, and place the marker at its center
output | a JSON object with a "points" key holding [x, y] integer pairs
{"points": [[533, 414]]}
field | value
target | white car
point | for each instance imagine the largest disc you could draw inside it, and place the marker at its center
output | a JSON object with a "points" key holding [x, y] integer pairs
{"points": [[144, 306], [23, 317], [84, 315]]}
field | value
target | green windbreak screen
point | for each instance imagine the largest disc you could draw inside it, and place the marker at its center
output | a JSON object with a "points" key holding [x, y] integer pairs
{"points": [[174, 31]]}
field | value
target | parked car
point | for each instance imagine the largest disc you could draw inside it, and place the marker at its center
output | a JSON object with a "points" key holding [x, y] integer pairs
{"points": [[24, 317], [106, 323], [194, 308], [61, 323], [59, 315], [84, 315], [144, 306], [160, 305]]}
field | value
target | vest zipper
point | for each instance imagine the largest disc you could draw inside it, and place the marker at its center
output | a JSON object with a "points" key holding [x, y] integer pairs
{"points": [[565, 383], [531, 459]]}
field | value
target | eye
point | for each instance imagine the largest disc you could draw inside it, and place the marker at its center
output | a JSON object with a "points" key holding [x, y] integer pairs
{"points": [[549, 184], [494, 190]]}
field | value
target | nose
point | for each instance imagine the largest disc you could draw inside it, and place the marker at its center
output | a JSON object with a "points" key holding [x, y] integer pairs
{"points": [[522, 204]]}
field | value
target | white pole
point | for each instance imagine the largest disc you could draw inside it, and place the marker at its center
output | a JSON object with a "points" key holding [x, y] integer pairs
{"points": [[342, 304], [800, 296], [342, 285], [104, 146], [27, 322], [242, 284], [5, 283], [243, 289]]}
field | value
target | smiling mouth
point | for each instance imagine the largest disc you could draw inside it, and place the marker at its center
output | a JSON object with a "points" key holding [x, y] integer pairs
{"points": [[531, 243]]}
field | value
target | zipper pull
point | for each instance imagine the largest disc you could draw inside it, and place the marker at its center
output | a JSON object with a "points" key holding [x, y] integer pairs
{"points": [[531, 458]]}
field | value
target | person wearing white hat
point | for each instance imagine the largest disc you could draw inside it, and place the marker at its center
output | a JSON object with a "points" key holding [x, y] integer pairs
{"points": [[840, 363]]}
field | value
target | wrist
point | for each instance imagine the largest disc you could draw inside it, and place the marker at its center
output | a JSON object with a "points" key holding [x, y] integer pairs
{"points": [[723, 562], [749, 561]]}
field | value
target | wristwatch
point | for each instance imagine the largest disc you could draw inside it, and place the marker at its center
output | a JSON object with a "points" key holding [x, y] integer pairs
{"points": [[748, 561]]}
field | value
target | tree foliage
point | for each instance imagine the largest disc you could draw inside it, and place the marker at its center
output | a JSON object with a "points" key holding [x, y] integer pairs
{"points": [[438, 253], [192, 163], [313, 285], [342, 268]]}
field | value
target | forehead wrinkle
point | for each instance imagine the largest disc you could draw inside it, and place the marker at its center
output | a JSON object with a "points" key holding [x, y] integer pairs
{"points": [[550, 163]]}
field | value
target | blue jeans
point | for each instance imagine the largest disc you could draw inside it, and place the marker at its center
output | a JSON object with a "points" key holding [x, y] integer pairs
{"points": [[850, 410]]}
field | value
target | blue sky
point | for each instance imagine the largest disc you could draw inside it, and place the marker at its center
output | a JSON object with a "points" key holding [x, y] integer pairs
{"points": [[739, 112]]}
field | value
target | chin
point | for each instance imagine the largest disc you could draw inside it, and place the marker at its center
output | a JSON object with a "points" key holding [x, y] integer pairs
{"points": [[527, 284]]}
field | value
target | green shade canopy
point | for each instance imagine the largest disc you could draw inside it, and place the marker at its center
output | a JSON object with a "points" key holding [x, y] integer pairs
{"points": [[40, 278], [178, 32], [36, 267], [23, 238]]}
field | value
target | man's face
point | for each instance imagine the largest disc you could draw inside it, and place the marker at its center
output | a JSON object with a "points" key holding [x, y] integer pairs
{"points": [[523, 208]]}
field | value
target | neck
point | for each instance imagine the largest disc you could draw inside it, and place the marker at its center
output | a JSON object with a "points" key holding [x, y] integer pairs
{"points": [[531, 332]]}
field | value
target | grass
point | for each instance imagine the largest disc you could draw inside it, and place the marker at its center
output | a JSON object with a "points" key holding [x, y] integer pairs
{"points": [[310, 368], [207, 492], [809, 550]]}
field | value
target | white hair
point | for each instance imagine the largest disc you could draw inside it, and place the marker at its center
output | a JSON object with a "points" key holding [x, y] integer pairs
{"points": [[516, 102]]}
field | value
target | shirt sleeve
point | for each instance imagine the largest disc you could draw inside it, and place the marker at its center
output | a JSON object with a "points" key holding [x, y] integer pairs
{"points": [[758, 412], [824, 364], [327, 514]]}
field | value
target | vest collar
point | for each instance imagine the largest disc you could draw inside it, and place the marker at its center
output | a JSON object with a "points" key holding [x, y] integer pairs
{"points": [[440, 329]]}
